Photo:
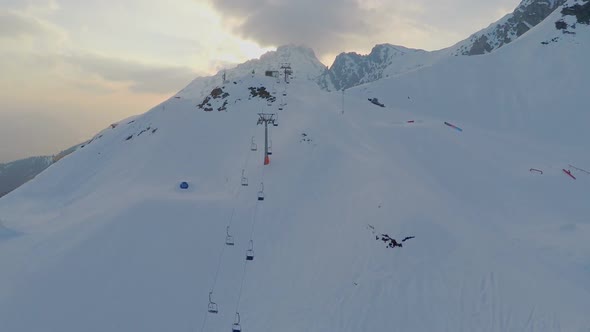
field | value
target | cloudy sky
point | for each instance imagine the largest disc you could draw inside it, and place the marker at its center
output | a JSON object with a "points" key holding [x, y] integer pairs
{"points": [[68, 68]]}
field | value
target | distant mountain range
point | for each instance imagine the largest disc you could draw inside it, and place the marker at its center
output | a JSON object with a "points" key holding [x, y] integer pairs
{"points": [[386, 60], [526, 16], [16, 173]]}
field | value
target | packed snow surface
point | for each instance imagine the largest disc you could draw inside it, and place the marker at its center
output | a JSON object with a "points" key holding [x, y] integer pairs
{"points": [[106, 240]]}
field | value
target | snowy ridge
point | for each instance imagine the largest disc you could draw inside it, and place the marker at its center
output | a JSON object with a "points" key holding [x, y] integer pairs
{"points": [[14, 174], [352, 69], [385, 60], [525, 87], [528, 14], [106, 240], [302, 60]]}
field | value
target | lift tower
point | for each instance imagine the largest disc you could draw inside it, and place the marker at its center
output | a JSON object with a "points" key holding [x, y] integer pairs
{"points": [[266, 118], [287, 69]]}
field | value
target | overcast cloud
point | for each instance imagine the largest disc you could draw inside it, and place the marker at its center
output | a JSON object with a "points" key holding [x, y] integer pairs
{"points": [[13, 25], [321, 25], [142, 77], [333, 26]]}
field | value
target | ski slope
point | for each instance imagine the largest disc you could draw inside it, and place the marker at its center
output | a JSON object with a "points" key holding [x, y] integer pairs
{"points": [[530, 87], [106, 240]]}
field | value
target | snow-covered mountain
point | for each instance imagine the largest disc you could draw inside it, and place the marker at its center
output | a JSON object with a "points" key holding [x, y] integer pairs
{"points": [[532, 85], [526, 16], [495, 209], [15, 173], [385, 60], [293, 55]]}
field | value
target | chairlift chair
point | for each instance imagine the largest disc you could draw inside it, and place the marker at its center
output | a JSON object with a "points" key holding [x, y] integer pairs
{"points": [[253, 146], [229, 240], [212, 308], [275, 121], [244, 180], [236, 327], [269, 148], [250, 252], [284, 94], [261, 192]]}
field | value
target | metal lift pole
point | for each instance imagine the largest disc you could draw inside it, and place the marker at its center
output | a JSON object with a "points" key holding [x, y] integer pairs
{"points": [[287, 70], [265, 139], [266, 118]]}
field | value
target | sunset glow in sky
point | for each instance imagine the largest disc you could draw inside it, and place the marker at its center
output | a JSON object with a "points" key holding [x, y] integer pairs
{"points": [[69, 67]]}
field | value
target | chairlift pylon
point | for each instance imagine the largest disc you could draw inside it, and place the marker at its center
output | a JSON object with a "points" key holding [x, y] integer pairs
{"points": [[212, 307], [253, 146], [261, 192], [244, 180], [250, 252], [236, 327], [229, 240]]}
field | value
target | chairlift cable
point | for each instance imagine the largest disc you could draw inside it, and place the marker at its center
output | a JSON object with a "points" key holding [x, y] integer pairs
{"points": [[231, 219], [245, 263], [254, 218], [221, 254], [204, 322], [255, 212]]}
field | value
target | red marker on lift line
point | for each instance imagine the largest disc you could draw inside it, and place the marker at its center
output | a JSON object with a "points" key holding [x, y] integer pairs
{"points": [[568, 173], [453, 126]]}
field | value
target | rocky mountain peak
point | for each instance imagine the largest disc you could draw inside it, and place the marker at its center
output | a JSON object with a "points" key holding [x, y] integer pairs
{"points": [[528, 14], [351, 69]]}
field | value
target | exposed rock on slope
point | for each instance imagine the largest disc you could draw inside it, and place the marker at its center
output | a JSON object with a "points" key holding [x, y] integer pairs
{"points": [[527, 15], [385, 60], [352, 69]]}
